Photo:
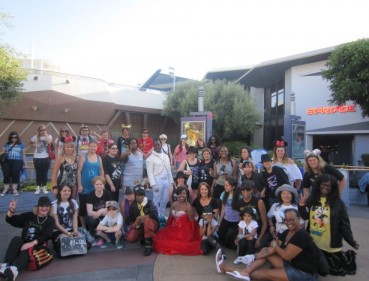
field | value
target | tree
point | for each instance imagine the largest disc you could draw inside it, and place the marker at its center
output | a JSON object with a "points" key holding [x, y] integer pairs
{"points": [[11, 76], [234, 110], [348, 73]]}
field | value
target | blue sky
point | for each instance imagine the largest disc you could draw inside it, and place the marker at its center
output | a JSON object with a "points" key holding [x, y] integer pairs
{"points": [[126, 41]]}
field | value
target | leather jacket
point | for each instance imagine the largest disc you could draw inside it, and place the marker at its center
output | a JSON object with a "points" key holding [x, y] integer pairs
{"points": [[339, 223], [148, 209]]}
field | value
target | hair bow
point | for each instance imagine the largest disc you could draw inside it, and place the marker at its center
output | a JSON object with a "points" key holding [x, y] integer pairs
{"points": [[316, 152], [281, 143], [68, 139]]}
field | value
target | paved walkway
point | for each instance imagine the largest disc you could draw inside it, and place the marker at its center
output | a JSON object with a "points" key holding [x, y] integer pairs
{"points": [[129, 264]]}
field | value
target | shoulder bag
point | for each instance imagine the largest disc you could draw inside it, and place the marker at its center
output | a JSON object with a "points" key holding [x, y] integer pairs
{"points": [[51, 151], [39, 257], [4, 156], [73, 245]]}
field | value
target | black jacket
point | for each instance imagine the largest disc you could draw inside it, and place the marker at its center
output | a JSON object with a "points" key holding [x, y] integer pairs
{"points": [[148, 209], [339, 223]]}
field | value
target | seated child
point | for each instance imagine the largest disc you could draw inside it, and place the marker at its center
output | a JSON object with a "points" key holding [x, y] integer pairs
{"points": [[208, 226], [247, 235], [110, 228]]}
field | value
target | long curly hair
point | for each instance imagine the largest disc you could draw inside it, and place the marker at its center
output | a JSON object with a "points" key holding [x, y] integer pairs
{"points": [[332, 197]]}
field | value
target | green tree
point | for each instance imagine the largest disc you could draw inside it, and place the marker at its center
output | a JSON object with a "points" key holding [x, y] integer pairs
{"points": [[348, 73], [11, 76], [234, 110]]}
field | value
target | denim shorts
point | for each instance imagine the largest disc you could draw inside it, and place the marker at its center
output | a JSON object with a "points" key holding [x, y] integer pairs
{"points": [[294, 274]]}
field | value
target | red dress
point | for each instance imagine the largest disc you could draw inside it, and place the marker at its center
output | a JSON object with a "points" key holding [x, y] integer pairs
{"points": [[179, 237]]}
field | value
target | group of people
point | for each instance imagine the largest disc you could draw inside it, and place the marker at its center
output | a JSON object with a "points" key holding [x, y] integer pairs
{"points": [[275, 215]]}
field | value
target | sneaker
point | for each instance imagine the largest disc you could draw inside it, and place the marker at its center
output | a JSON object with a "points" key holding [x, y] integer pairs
{"points": [[3, 266], [15, 192], [119, 245], [106, 244], [147, 251], [98, 242], [248, 259], [11, 272], [44, 190], [38, 190], [238, 260]]}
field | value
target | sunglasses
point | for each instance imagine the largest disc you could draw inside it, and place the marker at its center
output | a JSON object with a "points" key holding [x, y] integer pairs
{"points": [[13, 137], [42, 130], [114, 148], [112, 209], [163, 139], [85, 130], [64, 131]]}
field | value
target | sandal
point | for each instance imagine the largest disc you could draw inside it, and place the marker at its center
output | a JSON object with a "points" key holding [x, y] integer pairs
{"points": [[238, 276], [219, 259]]}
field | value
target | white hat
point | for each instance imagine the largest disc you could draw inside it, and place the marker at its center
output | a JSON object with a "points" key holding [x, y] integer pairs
{"points": [[184, 136], [286, 187]]}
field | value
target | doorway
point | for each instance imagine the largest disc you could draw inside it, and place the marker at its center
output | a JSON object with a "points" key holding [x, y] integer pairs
{"points": [[336, 149]]}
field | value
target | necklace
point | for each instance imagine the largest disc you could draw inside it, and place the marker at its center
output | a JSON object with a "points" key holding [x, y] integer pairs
{"points": [[39, 220]]}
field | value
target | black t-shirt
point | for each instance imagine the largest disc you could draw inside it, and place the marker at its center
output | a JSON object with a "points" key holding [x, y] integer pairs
{"points": [[306, 260], [195, 173], [274, 179], [113, 168], [200, 208], [204, 172], [257, 179], [122, 144], [254, 204], [309, 179], [98, 202]]}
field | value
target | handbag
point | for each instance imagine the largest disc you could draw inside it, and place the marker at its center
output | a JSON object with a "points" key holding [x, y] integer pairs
{"points": [[73, 245], [39, 257], [51, 151], [3, 157]]}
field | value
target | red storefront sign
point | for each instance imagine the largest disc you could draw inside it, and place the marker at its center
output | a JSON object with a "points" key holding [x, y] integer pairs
{"points": [[330, 109]]}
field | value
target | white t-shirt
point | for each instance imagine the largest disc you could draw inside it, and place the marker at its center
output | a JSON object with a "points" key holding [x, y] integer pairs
{"points": [[109, 221], [65, 213], [248, 228], [277, 211], [41, 146]]}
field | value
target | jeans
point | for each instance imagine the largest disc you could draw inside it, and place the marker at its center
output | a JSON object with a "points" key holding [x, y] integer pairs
{"points": [[161, 194], [14, 256]]}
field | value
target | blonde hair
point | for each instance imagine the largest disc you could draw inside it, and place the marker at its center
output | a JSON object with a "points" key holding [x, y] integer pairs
{"points": [[68, 144], [285, 156], [163, 136], [321, 164]]}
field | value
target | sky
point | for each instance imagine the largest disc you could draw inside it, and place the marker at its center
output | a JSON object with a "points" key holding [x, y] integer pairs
{"points": [[126, 41]]}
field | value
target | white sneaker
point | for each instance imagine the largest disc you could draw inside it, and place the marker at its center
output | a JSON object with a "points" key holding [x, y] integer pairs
{"points": [[248, 259], [3, 266], [238, 260], [11, 272], [44, 190], [38, 190]]}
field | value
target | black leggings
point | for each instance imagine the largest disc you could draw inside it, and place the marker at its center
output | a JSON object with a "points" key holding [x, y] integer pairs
{"points": [[42, 169], [14, 256], [11, 170]]}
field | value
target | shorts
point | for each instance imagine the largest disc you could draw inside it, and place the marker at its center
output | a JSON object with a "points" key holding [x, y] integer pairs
{"points": [[294, 274]]}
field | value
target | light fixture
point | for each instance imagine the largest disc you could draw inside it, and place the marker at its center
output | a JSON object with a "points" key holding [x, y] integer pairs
{"points": [[66, 110], [35, 78], [34, 107]]}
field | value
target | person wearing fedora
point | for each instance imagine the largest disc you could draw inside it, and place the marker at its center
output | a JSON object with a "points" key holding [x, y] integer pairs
{"points": [[143, 216], [286, 195], [37, 228], [160, 176], [274, 177]]}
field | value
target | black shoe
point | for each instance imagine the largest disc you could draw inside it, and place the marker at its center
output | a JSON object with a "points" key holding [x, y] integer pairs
{"points": [[148, 251]]}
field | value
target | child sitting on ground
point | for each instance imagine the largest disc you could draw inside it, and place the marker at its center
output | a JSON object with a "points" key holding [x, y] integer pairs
{"points": [[247, 235], [110, 228]]}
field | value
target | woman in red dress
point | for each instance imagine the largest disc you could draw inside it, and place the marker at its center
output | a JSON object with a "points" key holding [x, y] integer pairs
{"points": [[181, 235]]}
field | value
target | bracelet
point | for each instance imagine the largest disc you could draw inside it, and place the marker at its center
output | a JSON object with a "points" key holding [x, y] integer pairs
{"points": [[274, 244], [10, 210]]}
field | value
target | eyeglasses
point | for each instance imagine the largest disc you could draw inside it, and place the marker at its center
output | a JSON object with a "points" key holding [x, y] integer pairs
{"points": [[41, 130], [112, 209], [85, 130], [13, 137], [163, 139], [325, 185], [64, 131], [113, 147]]}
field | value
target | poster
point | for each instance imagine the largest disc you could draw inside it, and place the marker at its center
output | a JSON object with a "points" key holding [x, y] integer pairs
{"points": [[298, 141], [194, 130]]}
